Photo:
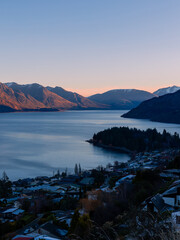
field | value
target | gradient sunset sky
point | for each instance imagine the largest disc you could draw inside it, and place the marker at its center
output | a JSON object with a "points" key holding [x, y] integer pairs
{"points": [[91, 46]]}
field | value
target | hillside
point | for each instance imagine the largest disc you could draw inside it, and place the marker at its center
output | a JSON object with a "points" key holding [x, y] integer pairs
{"points": [[82, 102], [122, 98], [35, 97], [162, 109], [16, 99], [41, 95]]}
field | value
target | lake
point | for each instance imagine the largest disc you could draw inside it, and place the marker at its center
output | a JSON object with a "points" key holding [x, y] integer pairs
{"points": [[35, 144]]}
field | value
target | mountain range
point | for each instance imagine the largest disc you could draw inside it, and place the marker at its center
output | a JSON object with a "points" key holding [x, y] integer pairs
{"points": [[165, 108], [122, 98], [35, 97], [18, 97]]}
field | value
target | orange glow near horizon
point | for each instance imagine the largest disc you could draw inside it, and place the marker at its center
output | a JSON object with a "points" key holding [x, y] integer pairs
{"points": [[91, 91]]}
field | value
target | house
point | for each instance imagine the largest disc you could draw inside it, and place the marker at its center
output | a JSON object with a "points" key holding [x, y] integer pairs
{"points": [[129, 177], [87, 181], [173, 173], [172, 196], [33, 237], [57, 200], [93, 195], [51, 230], [44, 187], [44, 237], [170, 199], [157, 204], [175, 216], [12, 213], [70, 179], [22, 237]]}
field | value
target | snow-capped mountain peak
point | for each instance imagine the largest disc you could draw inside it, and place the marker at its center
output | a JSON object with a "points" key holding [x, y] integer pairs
{"points": [[163, 91]]}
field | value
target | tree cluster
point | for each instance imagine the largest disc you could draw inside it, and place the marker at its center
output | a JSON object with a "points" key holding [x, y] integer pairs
{"points": [[77, 169], [5, 186], [137, 140]]}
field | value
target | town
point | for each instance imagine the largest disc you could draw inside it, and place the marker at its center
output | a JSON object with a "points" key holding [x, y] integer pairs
{"points": [[65, 205]]}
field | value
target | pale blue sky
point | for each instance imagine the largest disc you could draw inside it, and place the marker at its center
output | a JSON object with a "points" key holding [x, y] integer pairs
{"points": [[91, 46]]}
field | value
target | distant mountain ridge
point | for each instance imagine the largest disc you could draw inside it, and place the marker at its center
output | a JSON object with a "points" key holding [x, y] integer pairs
{"points": [[165, 108], [33, 97], [163, 91], [122, 98]]}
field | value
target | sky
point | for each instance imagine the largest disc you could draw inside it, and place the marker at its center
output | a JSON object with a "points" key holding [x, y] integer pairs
{"points": [[91, 46]]}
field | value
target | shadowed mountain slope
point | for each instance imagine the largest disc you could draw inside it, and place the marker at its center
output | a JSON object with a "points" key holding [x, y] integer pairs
{"points": [[162, 109]]}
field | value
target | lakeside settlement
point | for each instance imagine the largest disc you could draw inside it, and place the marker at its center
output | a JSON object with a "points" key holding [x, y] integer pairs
{"points": [[46, 207]]}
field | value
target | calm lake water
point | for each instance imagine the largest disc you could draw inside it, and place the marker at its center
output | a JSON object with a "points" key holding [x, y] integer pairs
{"points": [[35, 144]]}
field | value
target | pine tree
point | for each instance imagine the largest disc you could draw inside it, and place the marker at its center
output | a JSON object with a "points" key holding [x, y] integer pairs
{"points": [[5, 186], [66, 171], [76, 169], [5, 177], [58, 174], [79, 169], [74, 221]]}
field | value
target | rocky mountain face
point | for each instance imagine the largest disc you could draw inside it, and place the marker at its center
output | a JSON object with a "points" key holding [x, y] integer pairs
{"points": [[41, 97], [82, 102], [14, 99], [18, 97]]}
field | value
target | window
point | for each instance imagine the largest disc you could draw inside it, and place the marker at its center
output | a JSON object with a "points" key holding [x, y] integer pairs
{"points": [[177, 219]]}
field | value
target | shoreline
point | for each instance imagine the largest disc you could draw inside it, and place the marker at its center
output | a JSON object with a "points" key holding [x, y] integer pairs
{"points": [[113, 148]]}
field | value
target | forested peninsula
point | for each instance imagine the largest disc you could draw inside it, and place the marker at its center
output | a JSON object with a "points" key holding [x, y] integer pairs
{"points": [[135, 140]]}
